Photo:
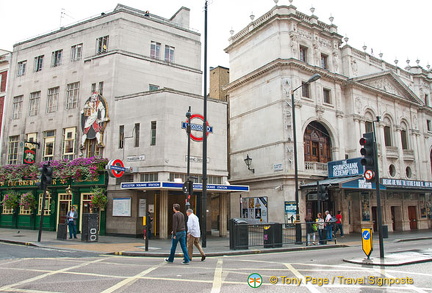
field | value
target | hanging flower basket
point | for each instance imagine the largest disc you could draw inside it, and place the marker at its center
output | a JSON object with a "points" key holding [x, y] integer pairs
{"points": [[11, 200], [28, 201], [99, 199]]}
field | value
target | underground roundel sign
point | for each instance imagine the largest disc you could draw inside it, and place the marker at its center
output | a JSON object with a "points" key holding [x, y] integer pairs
{"points": [[116, 168], [197, 128]]}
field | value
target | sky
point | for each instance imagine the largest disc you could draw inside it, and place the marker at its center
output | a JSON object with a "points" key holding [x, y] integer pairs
{"points": [[398, 29]]}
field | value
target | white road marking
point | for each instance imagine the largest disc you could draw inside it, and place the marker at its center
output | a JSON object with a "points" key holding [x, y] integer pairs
{"points": [[217, 279]]}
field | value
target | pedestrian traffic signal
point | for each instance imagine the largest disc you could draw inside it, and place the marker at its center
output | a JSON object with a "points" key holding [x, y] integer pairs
{"points": [[368, 153]]}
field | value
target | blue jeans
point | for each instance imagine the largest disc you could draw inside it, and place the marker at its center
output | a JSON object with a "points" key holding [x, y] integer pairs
{"points": [[329, 229], [339, 227], [179, 237], [72, 229]]}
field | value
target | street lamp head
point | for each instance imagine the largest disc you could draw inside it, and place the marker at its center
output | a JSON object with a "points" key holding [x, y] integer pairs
{"points": [[188, 114], [314, 77], [248, 162]]}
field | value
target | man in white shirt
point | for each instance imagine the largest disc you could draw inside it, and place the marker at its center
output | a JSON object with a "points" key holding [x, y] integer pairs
{"points": [[329, 225], [194, 234]]}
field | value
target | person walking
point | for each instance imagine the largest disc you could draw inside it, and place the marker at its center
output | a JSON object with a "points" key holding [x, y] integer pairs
{"points": [[338, 224], [178, 235], [194, 234], [329, 225], [320, 222], [71, 218], [310, 230]]}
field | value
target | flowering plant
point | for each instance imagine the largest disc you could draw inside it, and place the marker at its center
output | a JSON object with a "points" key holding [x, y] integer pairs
{"points": [[80, 169], [11, 200], [99, 199], [28, 200]]}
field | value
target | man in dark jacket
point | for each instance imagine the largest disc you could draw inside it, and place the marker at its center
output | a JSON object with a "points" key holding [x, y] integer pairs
{"points": [[71, 218], [178, 234]]}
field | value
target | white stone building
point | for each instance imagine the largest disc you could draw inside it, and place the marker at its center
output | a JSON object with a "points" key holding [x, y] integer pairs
{"points": [[118, 85], [332, 114]]}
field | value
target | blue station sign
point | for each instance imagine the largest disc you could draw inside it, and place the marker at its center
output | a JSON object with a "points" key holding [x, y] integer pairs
{"points": [[179, 186]]}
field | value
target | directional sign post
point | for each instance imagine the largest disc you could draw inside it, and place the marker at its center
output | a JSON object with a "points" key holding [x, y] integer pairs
{"points": [[367, 244]]}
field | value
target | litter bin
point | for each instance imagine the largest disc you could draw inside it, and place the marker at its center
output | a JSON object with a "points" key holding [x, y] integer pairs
{"points": [[385, 231], [239, 235], [62, 232], [324, 237], [90, 225], [272, 235]]}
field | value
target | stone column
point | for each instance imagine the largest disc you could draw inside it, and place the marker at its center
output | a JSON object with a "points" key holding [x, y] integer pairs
{"points": [[223, 214], [163, 214]]}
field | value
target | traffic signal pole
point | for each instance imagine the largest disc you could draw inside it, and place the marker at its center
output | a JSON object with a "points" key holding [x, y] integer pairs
{"points": [[46, 179], [377, 188]]}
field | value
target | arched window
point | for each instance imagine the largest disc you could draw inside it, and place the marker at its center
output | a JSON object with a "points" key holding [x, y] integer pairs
{"points": [[387, 132], [368, 122], [404, 136], [317, 144]]}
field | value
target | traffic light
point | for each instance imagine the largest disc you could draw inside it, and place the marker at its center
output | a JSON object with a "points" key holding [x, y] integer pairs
{"points": [[45, 176], [42, 181], [48, 174], [322, 193], [368, 153], [188, 187]]}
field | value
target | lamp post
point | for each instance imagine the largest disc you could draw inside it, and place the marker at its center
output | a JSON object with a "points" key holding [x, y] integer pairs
{"points": [[188, 130], [204, 164], [313, 78]]}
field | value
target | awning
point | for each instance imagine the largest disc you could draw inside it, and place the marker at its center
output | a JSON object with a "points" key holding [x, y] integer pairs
{"points": [[330, 181], [158, 185], [345, 183]]}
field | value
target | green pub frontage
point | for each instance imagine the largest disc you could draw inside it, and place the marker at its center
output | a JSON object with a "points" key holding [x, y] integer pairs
{"points": [[81, 183]]}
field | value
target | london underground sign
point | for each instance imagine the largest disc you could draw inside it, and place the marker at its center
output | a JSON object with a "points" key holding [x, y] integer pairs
{"points": [[116, 168], [197, 127]]}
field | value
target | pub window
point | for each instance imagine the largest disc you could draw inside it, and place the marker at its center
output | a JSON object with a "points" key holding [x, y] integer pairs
{"points": [[47, 210], [72, 94], [49, 140], [34, 103], [17, 107], [69, 143], [13, 150], [52, 101]]}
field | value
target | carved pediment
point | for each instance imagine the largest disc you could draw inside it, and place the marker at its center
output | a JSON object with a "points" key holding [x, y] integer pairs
{"points": [[389, 83]]}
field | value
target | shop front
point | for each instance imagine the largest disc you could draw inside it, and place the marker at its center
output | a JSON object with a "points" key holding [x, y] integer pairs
{"points": [[22, 202], [133, 200]]}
